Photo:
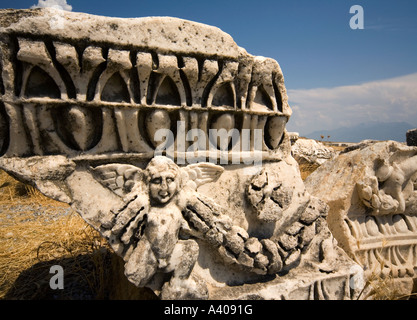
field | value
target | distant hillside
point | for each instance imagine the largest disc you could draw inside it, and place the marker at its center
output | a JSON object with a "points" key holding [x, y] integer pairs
{"points": [[373, 131]]}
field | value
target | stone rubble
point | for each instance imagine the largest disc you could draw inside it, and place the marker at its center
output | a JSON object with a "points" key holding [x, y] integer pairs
{"points": [[311, 151]]}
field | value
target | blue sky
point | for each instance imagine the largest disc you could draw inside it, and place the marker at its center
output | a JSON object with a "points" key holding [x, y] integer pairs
{"points": [[324, 61]]}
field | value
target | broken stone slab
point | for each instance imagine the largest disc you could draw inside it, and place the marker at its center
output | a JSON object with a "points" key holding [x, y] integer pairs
{"points": [[120, 126], [311, 151], [294, 136], [411, 137], [298, 286], [156, 33], [371, 190]]}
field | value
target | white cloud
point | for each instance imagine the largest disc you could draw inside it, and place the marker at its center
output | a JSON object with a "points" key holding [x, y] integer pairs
{"points": [[57, 4], [391, 100]]}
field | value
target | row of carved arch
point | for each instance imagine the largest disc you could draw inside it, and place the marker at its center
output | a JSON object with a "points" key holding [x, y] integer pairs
{"points": [[63, 71], [396, 261], [41, 129], [370, 226], [385, 244]]}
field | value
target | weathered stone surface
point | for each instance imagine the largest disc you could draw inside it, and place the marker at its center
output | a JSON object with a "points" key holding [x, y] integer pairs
{"points": [[161, 33], [311, 151], [269, 196], [294, 136], [128, 127], [372, 193]]}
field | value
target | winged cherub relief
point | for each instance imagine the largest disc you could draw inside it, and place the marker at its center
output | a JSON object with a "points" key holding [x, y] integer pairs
{"points": [[150, 227], [392, 187], [163, 214]]}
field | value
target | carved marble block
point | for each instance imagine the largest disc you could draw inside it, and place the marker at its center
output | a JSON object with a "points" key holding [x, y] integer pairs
{"points": [[170, 140], [372, 193]]}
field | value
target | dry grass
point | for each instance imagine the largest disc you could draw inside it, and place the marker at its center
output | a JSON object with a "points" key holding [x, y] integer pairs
{"points": [[378, 287], [32, 247], [34, 230], [36, 233], [306, 169]]}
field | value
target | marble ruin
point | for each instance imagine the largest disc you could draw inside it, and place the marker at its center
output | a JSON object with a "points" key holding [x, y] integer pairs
{"points": [[372, 193], [308, 151], [169, 139]]}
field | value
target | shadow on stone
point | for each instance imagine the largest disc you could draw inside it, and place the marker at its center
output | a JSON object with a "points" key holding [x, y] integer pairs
{"points": [[95, 276]]}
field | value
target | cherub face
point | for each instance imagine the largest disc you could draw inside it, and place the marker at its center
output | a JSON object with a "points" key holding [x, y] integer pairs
{"points": [[163, 186], [163, 179]]}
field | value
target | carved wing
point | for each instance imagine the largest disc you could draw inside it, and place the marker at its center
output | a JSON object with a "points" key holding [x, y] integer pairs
{"points": [[119, 178], [198, 174]]}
